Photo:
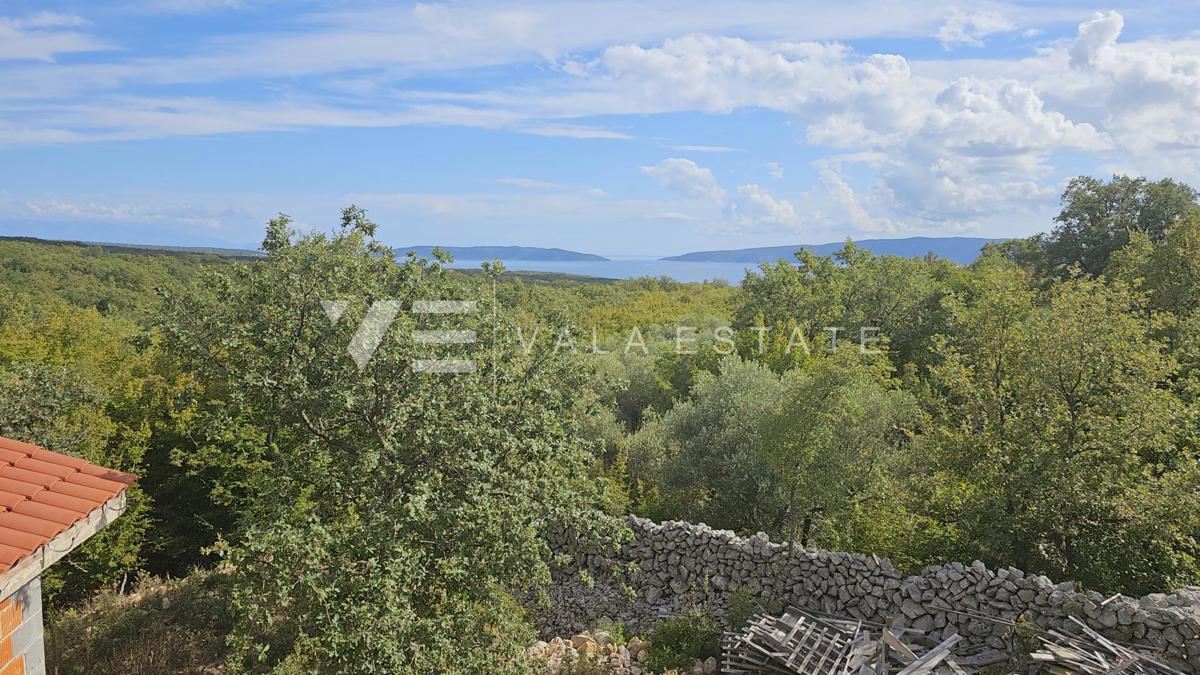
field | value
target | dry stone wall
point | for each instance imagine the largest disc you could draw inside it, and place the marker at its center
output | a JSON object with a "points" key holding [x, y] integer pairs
{"points": [[676, 565]]}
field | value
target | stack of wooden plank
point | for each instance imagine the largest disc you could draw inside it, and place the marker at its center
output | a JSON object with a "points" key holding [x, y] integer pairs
{"points": [[802, 643], [1089, 652]]}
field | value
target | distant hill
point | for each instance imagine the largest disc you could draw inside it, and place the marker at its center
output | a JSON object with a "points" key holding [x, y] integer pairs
{"points": [[209, 250], [230, 252], [962, 250], [504, 253], [117, 280]]}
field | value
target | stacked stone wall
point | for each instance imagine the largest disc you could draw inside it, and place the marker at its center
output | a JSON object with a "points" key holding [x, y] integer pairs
{"points": [[673, 566]]}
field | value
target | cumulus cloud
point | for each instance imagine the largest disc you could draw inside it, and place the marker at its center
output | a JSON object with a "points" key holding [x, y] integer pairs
{"points": [[687, 178], [721, 74], [959, 149], [1146, 93], [1097, 38], [750, 207]]}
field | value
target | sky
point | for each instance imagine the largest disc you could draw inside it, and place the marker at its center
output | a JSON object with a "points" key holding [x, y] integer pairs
{"points": [[617, 128]]}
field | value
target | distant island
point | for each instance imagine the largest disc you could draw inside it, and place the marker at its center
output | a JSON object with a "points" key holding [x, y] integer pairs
{"points": [[504, 253], [961, 250]]}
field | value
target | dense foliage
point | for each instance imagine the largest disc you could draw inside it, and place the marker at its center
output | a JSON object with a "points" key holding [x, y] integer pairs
{"points": [[382, 512], [112, 280], [1018, 411], [1037, 408]]}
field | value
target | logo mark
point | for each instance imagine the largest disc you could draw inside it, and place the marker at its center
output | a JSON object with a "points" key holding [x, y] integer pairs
{"points": [[444, 337], [382, 314]]}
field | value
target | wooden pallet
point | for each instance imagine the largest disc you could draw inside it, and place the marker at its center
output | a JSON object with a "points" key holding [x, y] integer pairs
{"points": [[1090, 653], [800, 642]]}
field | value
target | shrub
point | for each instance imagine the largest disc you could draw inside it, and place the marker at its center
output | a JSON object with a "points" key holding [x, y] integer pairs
{"points": [[680, 640], [743, 605]]}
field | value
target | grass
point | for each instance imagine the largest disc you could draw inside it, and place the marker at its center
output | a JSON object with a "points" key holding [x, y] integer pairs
{"points": [[173, 626]]}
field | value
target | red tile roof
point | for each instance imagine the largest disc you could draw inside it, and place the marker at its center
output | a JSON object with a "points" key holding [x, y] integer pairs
{"points": [[43, 493]]}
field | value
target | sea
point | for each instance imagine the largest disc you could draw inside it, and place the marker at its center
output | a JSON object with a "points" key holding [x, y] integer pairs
{"points": [[628, 268]]}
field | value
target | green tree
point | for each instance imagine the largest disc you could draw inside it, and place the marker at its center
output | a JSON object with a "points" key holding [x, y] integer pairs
{"points": [[1056, 420], [892, 298], [1169, 273], [706, 451], [1173, 268], [1097, 219], [1028, 253], [382, 512], [71, 381], [830, 443]]}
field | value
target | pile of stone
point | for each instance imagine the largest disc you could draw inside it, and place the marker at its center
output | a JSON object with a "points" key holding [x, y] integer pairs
{"points": [[597, 652]]}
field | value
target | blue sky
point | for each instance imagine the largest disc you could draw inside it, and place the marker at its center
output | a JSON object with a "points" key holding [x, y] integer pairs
{"points": [[621, 128]]}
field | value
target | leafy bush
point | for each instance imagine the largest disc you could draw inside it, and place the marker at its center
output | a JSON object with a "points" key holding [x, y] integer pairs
{"points": [[743, 604], [680, 640]]}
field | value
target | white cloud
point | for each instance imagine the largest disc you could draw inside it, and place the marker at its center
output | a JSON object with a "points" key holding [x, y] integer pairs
{"points": [[425, 38], [1097, 39], [185, 214], [754, 207], [775, 169], [544, 185], [970, 28], [940, 151], [751, 206], [191, 6], [721, 74], [47, 20], [674, 215], [687, 178], [574, 131], [132, 118], [702, 148], [847, 202], [531, 184], [1146, 94], [38, 37]]}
